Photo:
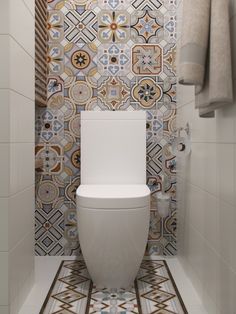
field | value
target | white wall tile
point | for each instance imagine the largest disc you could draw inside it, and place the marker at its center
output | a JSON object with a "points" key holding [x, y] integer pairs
{"points": [[4, 309], [4, 116], [30, 4], [21, 215], [4, 61], [22, 25], [4, 206], [22, 168], [5, 170], [4, 17], [4, 278]]}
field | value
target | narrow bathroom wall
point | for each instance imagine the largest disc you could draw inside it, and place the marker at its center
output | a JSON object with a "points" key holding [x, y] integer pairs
{"points": [[207, 197], [17, 116], [104, 55]]}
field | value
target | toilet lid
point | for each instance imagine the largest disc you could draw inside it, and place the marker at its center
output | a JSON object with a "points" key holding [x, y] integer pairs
{"points": [[113, 196]]}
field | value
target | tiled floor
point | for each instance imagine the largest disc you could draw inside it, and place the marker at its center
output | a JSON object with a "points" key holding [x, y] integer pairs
{"points": [[46, 268]]}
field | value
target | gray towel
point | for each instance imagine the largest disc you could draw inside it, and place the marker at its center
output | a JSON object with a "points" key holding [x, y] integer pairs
{"points": [[208, 67]]}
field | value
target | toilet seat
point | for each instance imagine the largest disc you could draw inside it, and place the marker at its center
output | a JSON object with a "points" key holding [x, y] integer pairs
{"points": [[113, 196]]}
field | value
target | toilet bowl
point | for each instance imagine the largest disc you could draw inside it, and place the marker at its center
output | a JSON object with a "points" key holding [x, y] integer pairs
{"points": [[113, 201]]}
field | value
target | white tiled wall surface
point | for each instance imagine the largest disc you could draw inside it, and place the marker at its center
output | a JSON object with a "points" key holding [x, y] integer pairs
{"points": [[17, 153], [207, 197]]}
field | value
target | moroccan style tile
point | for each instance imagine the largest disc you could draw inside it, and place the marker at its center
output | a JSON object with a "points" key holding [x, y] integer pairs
{"points": [[113, 93], [79, 28], [81, 61], [79, 5], [170, 91], [55, 26], [49, 125], [114, 60], [113, 27], [170, 26], [170, 61], [147, 5], [80, 92], [154, 158], [72, 127], [169, 124], [147, 27], [52, 157], [55, 93], [55, 59], [171, 5], [155, 226], [71, 246], [72, 160], [70, 189], [147, 91], [154, 125], [147, 60], [114, 4], [153, 289]]}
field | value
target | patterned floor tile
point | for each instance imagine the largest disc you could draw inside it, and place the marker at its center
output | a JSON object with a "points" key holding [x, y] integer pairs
{"points": [[79, 5], [147, 5], [153, 291], [114, 4], [147, 60], [55, 26], [114, 60], [49, 126], [113, 27], [113, 93], [81, 61], [147, 27], [147, 92], [79, 27]]}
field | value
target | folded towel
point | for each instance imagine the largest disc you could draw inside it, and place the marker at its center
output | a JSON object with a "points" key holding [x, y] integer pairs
{"points": [[213, 80], [194, 42]]}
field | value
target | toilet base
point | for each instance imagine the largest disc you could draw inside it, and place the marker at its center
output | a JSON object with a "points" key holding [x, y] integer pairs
{"points": [[113, 244]]}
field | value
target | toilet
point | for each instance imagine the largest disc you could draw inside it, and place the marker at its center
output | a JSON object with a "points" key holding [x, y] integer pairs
{"points": [[113, 201]]}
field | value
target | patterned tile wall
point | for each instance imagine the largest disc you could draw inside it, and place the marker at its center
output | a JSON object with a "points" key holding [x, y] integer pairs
{"points": [[104, 55]]}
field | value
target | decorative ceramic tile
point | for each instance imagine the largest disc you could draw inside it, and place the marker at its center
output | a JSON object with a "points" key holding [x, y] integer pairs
{"points": [[146, 91], [79, 28], [52, 157], [72, 246], [72, 127], [79, 5], [80, 91], [170, 87], [155, 226], [114, 60], [154, 158], [169, 124], [147, 60], [55, 59], [147, 27], [49, 126], [81, 61], [170, 26], [113, 27], [154, 125], [153, 289], [113, 93], [55, 26], [171, 5], [55, 93], [70, 189], [72, 160], [170, 61], [114, 4], [147, 5]]}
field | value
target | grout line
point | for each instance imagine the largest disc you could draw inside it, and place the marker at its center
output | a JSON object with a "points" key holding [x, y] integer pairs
{"points": [[17, 92], [32, 13]]}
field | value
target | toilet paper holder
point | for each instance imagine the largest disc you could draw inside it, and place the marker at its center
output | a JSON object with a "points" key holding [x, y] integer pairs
{"points": [[181, 143]]}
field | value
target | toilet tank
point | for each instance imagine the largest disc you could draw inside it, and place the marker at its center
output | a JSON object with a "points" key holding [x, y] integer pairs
{"points": [[113, 147]]}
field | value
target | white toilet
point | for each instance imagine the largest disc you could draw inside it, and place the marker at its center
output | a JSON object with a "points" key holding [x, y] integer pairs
{"points": [[113, 201]]}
